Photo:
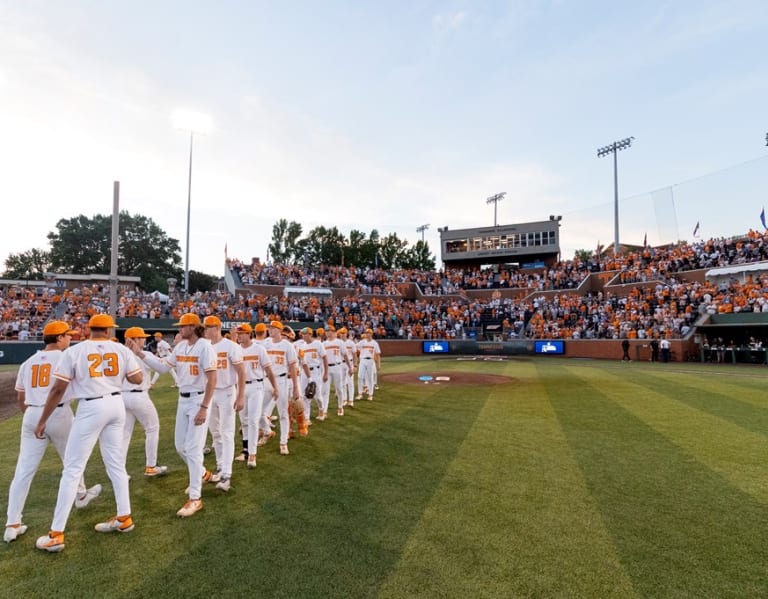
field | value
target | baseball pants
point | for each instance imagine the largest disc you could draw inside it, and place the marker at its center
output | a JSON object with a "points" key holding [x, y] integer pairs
{"points": [[31, 452], [254, 399], [221, 423], [190, 441], [138, 406], [102, 420]]}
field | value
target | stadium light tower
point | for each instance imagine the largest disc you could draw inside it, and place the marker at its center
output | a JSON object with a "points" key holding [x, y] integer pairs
{"points": [[421, 230], [495, 199], [614, 149], [194, 123]]}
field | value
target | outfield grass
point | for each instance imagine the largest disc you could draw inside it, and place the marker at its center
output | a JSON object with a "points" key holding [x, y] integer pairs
{"points": [[576, 479]]}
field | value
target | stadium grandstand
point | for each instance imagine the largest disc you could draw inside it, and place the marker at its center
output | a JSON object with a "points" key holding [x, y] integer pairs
{"points": [[702, 296]]}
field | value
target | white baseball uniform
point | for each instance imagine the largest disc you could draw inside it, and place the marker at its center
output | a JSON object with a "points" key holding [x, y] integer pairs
{"points": [[163, 349], [283, 358], [34, 380], [368, 352], [191, 362], [139, 406], [255, 359], [337, 370], [95, 370], [313, 355], [221, 421]]}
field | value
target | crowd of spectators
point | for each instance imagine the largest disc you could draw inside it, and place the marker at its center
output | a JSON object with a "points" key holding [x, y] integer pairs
{"points": [[376, 300]]}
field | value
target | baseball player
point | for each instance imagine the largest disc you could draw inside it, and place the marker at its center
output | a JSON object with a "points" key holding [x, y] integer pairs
{"points": [[227, 400], [257, 368], [339, 366], [95, 371], [283, 358], [349, 380], [195, 364], [163, 349], [369, 355], [139, 406], [32, 385], [324, 389], [313, 356]]}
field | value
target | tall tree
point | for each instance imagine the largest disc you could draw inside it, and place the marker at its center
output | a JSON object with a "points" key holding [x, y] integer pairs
{"points": [[391, 251], [31, 265], [353, 252], [285, 237], [418, 257], [82, 245], [323, 246]]}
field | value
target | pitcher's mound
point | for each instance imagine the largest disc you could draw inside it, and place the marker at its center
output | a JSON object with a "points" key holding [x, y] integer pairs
{"points": [[447, 378]]}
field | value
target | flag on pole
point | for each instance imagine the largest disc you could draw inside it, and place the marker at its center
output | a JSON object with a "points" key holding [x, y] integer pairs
{"points": [[696, 229], [599, 247], [762, 218], [645, 241], [225, 250]]}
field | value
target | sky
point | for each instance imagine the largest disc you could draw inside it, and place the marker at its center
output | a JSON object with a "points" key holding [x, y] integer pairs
{"points": [[384, 115]]}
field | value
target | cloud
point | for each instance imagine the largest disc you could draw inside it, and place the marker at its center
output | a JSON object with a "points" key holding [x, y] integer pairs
{"points": [[444, 23]]}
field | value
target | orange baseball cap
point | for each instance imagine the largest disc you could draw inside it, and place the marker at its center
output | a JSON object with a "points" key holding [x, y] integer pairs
{"points": [[260, 328], [57, 327], [135, 333], [212, 321], [370, 331], [189, 319], [244, 328], [158, 334], [342, 330], [277, 324], [289, 332], [306, 331], [319, 331], [331, 328], [102, 321]]}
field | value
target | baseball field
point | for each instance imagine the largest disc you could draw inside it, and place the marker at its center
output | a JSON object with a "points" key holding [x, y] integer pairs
{"points": [[534, 477]]}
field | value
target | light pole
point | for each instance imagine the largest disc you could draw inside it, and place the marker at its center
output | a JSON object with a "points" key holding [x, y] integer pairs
{"points": [[614, 149], [421, 230], [193, 123], [495, 199]]}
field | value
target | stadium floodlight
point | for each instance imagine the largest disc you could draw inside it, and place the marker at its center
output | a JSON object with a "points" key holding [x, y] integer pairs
{"points": [[421, 230], [194, 123], [495, 199], [614, 149]]}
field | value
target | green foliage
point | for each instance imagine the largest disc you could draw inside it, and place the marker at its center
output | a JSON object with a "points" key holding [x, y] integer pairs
{"points": [[199, 281], [82, 245], [31, 265], [323, 245], [284, 247], [583, 255], [570, 479]]}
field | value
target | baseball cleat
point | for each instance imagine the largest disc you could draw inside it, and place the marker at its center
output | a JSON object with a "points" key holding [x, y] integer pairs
{"points": [[283, 450], [155, 470], [53, 542], [251, 461], [240, 457], [189, 508], [116, 523], [359, 396], [265, 439], [340, 412], [14, 531], [215, 477], [91, 494], [223, 484]]}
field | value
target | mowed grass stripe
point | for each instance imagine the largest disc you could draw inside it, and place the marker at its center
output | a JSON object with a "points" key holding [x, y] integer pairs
{"points": [[343, 514], [680, 528], [512, 516], [708, 435], [734, 384]]}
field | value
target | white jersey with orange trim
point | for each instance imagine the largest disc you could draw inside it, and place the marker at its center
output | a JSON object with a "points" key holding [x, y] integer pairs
{"points": [[35, 377], [281, 354], [255, 358], [335, 351], [163, 349], [311, 353], [94, 368], [191, 363], [351, 348], [228, 355], [368, 348]]}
